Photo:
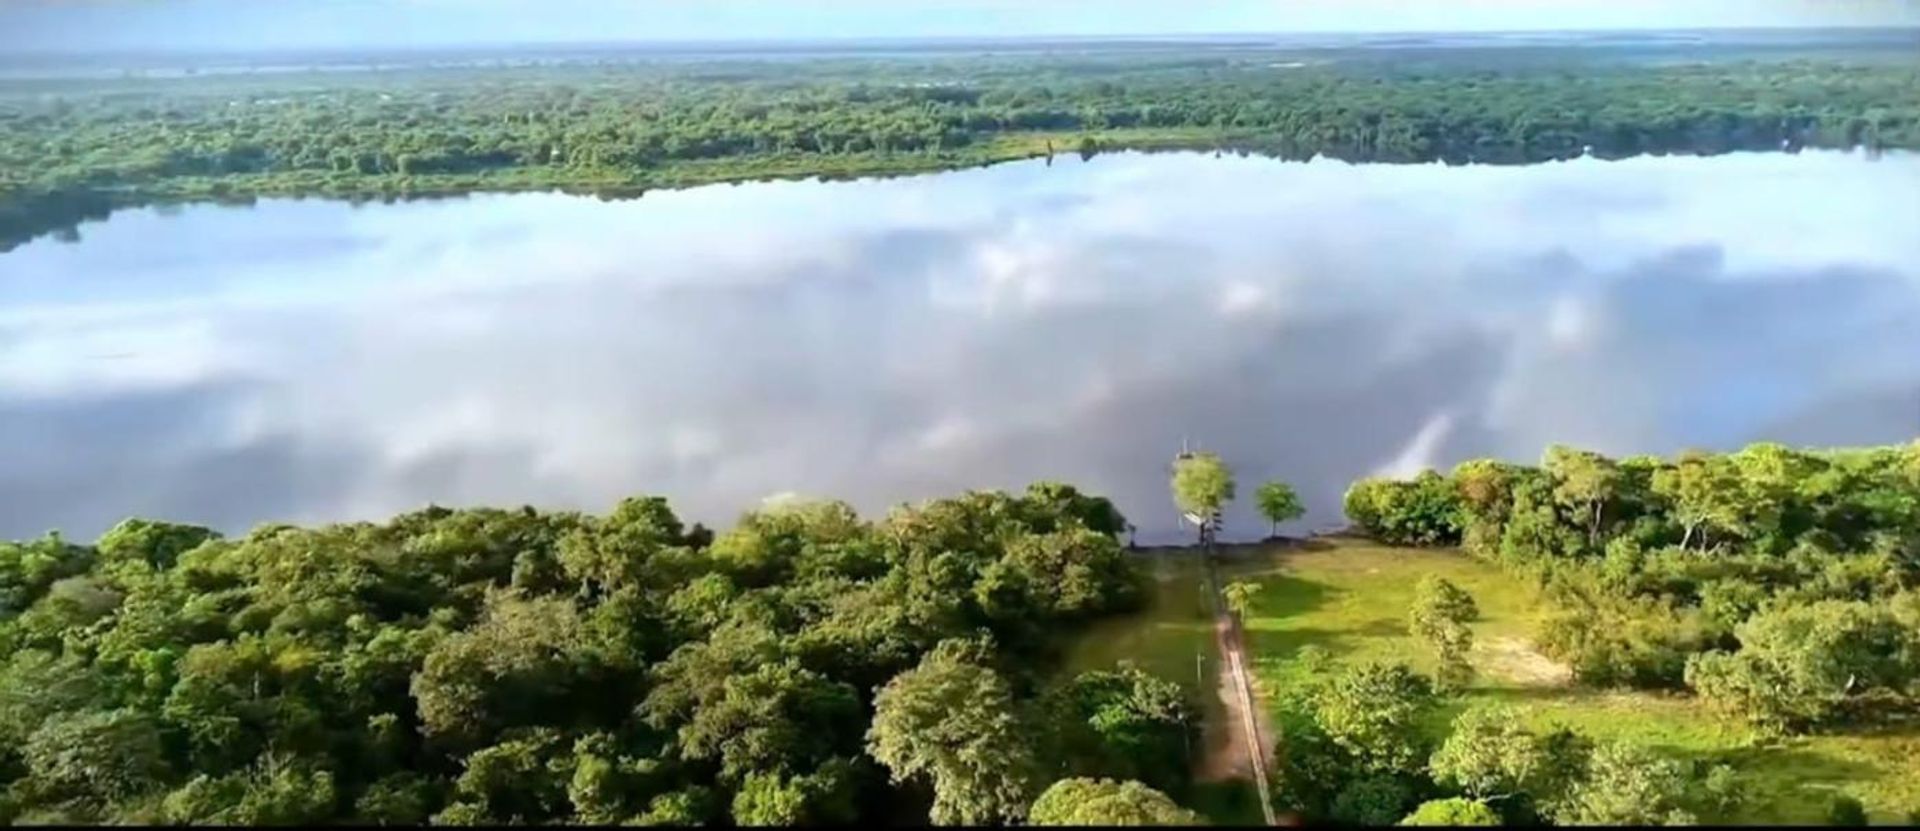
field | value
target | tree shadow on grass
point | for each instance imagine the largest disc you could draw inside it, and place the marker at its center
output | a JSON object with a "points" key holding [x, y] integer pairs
{"points": [[1278, 647], [1381, 628], [1283, 596], [1786, 784]]}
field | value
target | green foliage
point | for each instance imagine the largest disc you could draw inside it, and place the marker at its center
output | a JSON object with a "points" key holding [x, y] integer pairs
{"points": [[1847, 811], [1439, 618], [1278, 503], [491, 667], [1709, 570], [276, 793], [1425, 511], [1455, 811], [778, 718], [953, 723], [1202, 483], [1097, 802], [1124, 724], [1239, 595], [70, 151], [1799, 665], [1627, 785], [1374, 713], [94, 756], [1490, 754]]}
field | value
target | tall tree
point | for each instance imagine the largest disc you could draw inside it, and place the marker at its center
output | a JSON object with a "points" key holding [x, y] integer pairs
{"points": [[1202, 483], [952, 723]]}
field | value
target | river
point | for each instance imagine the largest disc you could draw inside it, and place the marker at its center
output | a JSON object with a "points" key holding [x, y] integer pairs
{"points": [[891, 340]]}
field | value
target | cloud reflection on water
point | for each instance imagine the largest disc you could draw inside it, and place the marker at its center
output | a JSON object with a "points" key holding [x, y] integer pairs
{"points": [[892, 340]]}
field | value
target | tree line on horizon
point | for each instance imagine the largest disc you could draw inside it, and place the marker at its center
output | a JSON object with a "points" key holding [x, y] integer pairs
{"points": [[66, 148]]}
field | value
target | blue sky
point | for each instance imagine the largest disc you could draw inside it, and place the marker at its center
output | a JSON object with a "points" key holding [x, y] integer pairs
{"points": [[83, 24]]}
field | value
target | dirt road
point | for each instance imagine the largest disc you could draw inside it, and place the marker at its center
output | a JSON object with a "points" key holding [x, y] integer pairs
{"points": [[1239, 749]]}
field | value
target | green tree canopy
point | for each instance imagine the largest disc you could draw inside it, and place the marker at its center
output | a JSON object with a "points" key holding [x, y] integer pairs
{"points": [[1202, 483], [1439, 618], [1095, 802], [1278, 503], [953, 724]]}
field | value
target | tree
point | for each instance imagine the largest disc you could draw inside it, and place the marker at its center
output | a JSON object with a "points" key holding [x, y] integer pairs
{"points": [[1239, 595], [1123, 724], [1097, 802], [1278, 503], [1455, 811], [1439, 618], [94, 755], [1055, 503], [1798, 664], [766, 799], [1627, 785], [1489, 755], [777, 718], [1374, 712], [1584, 483], [1425, 511], [822, 797], [510, 669], [1705, 493], [1202, 484], [953, 723]]}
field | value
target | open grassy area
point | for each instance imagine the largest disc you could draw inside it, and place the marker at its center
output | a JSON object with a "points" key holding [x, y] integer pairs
{"points": [[1351, 596], [1163, 638]]}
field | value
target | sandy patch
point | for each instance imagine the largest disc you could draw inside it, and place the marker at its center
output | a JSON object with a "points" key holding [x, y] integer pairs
{"points": [[1513, 659]]}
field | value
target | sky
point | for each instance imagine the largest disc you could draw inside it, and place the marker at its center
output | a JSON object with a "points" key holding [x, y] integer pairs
{"points": [[87, 25]]}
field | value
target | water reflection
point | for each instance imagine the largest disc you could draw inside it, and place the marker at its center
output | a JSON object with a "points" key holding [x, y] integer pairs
{"points": [[892, 340]]}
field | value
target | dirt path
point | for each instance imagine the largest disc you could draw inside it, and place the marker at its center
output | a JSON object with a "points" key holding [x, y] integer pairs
{"points": [[1239, 748]]}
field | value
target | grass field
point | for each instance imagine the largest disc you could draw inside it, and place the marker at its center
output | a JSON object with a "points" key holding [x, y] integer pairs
{"points": [[1351, 596]]}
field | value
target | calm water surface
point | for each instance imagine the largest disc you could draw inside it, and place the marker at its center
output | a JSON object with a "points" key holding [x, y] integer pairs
{"points": [[892, 340]]}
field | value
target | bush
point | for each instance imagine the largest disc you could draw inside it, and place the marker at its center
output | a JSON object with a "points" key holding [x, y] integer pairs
{"points": [[1845, 810]]}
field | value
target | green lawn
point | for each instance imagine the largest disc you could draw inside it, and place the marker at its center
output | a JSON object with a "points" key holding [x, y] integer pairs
{"points": [[1351, 596], [1163, 638]]}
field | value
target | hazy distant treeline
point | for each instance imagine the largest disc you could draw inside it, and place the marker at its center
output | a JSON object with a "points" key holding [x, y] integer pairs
{"points": [[68, 148]]}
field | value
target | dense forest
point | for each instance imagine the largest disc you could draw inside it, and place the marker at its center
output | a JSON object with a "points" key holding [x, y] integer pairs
{"points": [[487, 666], [491, 666], [73, 149]]}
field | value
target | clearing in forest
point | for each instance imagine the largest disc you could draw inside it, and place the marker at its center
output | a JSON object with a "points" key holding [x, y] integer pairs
{"points": [[1350, 597], [1173, 637]]}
